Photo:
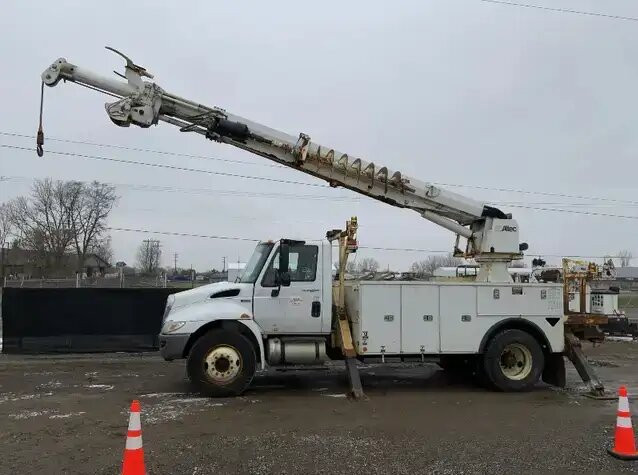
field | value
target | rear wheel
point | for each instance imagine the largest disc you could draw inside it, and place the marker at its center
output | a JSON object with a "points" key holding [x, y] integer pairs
{"points": [[513, 361], [221, 363]]}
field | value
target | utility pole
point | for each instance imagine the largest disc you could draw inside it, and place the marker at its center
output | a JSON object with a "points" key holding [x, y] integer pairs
{"points": [[175, 261], [223, 264]]}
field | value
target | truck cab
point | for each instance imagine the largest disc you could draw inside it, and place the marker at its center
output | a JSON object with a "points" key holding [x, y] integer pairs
{"points": [[284, 316]]}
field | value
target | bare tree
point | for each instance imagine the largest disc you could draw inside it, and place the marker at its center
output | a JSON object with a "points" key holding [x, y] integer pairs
{"points": [[368, 264], [149, 254], [103, 249], [351, 267], [426, 267], [42, 220], [60, 216], [88, 207], [625, 257], [6, 226]]}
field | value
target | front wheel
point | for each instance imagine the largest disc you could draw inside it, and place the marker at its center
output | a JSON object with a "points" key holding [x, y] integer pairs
{"points": [[221, 363], [514, 361]]}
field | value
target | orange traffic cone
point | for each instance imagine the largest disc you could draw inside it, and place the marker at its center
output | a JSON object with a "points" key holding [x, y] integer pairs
{"points": [[624, 443], [133, 463]]}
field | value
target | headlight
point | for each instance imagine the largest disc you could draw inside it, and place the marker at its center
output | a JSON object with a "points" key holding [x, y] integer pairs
{"points": [[172, 327]]}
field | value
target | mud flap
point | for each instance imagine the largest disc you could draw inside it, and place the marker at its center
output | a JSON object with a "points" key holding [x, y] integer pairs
{"points": [[554, 372]]}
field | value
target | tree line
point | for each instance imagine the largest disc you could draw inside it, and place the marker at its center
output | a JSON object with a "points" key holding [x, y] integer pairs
{"points": [[58, 218]]}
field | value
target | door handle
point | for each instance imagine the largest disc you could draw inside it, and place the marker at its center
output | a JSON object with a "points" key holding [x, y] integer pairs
{"points": [[315, 309]]}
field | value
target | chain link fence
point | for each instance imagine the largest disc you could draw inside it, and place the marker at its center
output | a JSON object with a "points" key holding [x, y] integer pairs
{"points": [[123, 281]]}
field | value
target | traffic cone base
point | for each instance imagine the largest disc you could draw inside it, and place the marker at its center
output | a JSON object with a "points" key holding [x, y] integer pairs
{"points": [[624, 441], [622, 456]]}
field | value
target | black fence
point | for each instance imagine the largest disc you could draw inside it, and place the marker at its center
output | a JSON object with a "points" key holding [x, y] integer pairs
{"points": [[81, 320]]}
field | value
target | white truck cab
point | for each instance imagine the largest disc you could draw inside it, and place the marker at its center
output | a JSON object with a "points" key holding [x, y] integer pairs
{"points": [[270, 318]]}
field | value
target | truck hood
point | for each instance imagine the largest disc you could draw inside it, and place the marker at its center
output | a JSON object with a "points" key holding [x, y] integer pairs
{"points": [[204, 292]]}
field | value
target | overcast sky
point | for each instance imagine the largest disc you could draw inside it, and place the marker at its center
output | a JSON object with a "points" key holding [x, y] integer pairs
{"points": [[463, 92]]}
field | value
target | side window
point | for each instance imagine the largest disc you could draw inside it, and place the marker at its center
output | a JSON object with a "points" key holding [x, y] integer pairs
{"points": [[302, 265]]}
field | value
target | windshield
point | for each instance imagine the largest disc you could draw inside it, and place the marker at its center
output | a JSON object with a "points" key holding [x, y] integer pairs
{"points": [[255, 263]]}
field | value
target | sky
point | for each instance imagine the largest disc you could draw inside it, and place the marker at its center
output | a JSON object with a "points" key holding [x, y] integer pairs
{"points": [[462, 92]]}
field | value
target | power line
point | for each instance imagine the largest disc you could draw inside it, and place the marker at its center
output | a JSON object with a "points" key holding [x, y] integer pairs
{"points": [[274, 195], [477, 187], [204, 191], [535, 192], [561, 10], [145, 150], [374, 248], [573, 211], [161, 165], [175, 233], [277, 180]]}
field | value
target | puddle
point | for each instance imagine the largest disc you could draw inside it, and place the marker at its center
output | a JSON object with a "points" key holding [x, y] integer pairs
{"points": [[49, 385], [173, 406], [11, 397], [51, 413], [28, 414], [106, 387], [66, 416]]}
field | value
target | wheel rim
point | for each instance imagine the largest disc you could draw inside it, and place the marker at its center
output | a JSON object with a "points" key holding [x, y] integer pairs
{"points": [[516, 361], [222, 364]]}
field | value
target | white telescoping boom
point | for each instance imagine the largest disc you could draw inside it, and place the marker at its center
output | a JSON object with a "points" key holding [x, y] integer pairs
{"points": [[492, 236]]}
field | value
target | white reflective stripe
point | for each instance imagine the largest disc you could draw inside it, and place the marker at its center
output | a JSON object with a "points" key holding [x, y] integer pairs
{"points": [[624, 422], [133, 443], [134, 422], [623, 404]]}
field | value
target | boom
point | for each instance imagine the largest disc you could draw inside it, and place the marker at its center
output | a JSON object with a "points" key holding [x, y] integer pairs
{"points": [[492, 236]]}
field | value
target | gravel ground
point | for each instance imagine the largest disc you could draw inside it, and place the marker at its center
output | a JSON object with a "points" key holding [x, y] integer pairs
{"points": [[69, 415]]}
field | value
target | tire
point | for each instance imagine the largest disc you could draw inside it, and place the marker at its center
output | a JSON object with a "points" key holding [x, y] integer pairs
{"points": [[514, 361], [221, 363]]}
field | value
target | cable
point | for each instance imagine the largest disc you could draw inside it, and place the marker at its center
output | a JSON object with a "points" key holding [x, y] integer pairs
{"points": [[375, 248], [171, 167], [204, 191], [458, 185], [573, 211], [278, 180], [172, 233], [534, 192], [560, 10], [145, 150], [157, 165]]}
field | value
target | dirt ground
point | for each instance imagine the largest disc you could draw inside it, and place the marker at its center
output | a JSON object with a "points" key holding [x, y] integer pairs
{"points": [[69, 414]]}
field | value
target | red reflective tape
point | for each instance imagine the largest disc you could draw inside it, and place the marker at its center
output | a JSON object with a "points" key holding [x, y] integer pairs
{"points": [[134, 433], [624, 414]]}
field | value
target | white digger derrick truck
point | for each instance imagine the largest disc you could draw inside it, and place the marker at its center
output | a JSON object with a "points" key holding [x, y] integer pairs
{"points": [[286, 309]]}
